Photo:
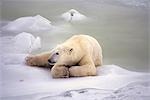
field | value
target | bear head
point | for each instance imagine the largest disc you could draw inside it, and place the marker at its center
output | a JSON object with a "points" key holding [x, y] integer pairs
{"points": [[62, 55]]}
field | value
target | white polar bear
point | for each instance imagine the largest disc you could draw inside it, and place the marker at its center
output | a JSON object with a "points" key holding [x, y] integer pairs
{"points": [[26, 43], [73, 15], [78, 56]]}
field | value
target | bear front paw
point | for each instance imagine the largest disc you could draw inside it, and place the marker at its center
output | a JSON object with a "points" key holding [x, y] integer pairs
{"points": [[60, 72], [30, 60]]}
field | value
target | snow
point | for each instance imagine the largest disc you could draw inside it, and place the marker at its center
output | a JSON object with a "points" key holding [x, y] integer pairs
{"points": [[22, 82], [38, 25], [139, 89], [29, 24], [21, 43], [73, 15], [27, 42]]}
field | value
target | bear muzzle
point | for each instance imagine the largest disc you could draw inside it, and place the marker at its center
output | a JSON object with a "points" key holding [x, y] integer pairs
{"points": [[51, 62]]}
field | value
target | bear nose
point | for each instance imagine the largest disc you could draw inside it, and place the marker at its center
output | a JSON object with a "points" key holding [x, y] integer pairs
{"points": [[50, 61]]}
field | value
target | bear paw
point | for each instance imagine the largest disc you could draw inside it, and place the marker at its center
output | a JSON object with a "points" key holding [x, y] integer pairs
{"points": [[30, 60], [60, 72]]}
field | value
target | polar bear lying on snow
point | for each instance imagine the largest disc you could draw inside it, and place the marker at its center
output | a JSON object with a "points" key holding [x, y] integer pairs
{"points": [[77, 56]]}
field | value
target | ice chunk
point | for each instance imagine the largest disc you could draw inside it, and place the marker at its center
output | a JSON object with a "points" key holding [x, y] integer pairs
{"points": [[73, 15], [26, 42], [29, 24]]}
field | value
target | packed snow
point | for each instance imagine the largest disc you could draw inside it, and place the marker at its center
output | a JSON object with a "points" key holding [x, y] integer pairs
{"points": [[22, 82], [21, 43], [26, 42], [73, 15], [29, 24]]}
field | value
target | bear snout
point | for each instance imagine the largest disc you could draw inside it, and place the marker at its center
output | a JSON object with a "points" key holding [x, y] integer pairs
{"points": [[51, 62]]}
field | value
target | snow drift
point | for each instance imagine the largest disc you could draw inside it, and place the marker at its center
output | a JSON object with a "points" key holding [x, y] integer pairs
{"points": [[21, 43], [28, 24], [26, 42]]}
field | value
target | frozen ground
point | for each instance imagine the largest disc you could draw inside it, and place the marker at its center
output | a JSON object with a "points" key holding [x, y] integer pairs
{"points": [[21, 82]]}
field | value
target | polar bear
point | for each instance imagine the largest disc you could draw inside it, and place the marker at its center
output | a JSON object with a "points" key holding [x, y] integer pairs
{"points": [[77, 57]]}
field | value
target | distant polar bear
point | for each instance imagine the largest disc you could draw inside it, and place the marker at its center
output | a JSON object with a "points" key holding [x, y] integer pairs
{"points": [[77, 56]]}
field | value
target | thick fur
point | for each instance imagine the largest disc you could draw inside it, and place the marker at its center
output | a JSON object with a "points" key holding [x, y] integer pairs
{"points": [[78, 56]]}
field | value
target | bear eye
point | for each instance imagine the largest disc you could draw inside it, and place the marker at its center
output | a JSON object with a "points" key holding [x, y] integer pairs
{"points": [[71, 49], [57, 53]]}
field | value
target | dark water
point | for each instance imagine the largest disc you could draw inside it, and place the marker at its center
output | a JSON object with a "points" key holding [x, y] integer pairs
{"points": [[120, 26]]}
